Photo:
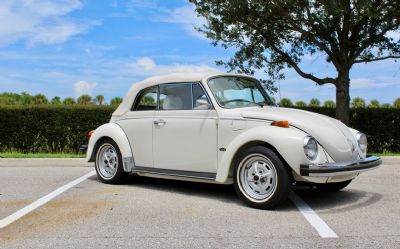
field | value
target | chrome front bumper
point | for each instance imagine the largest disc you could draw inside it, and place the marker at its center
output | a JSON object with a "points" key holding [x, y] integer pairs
{"points": [[340, 168]]}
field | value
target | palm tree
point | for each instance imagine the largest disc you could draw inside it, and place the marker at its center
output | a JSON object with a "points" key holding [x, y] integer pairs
{"points": [[396, 103], [286, 102], [40, 99], [374, 104], [358, 102], [84, 99], [301, 103], [69, 101], [99, 99], [56, 100], [314, 102], [329, 104], [116, 101]]}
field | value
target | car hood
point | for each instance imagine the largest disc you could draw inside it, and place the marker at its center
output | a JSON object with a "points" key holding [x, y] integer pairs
{"points": [[335, 137]]}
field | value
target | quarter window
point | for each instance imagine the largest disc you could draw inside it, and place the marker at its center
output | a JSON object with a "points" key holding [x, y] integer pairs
{"points": [[147, 100]]}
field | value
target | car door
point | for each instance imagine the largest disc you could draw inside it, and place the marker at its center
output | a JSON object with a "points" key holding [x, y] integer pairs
{"points": [[138, 126], [185, 129]]}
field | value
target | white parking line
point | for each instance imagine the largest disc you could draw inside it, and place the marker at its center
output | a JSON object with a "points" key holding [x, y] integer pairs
{"points": [[322, 228], [24, 211]]}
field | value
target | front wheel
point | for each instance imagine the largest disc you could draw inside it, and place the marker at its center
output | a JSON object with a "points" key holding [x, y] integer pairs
{"points": [[261, 179], [108, 163]]}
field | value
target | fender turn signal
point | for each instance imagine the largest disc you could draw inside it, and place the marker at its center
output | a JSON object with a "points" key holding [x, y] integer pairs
{"points": [[90, 134], [283, 124]]}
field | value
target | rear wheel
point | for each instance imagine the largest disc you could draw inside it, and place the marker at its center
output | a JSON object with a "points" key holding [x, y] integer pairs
{"points": [[260, 178], [108, 163], [333, 186]]}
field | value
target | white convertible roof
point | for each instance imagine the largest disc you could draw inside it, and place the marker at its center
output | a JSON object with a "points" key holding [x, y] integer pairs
{"points": [[156, 80]]}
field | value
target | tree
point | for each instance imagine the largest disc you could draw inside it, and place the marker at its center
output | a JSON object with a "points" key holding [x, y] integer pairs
{"points": [[40, 99], [385, 105], [26, 98], [99, 99], [273, 35], [84, 99], [374, 104], [56, 100], [69, 101], [116, 101], [358, 102], [314, 102], [286, 102], [301, 104], [329, 104], [396, 103]]}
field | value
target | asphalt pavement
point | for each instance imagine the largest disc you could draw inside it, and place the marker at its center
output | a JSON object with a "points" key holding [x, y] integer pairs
{"points": [[67, 207]]}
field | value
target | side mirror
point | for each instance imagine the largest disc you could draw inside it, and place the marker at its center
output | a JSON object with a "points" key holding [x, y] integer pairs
{"points": [[202, 104]]}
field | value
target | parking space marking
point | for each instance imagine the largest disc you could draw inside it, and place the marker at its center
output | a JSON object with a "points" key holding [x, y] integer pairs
{"points": [[43, 200], [322, 228]]}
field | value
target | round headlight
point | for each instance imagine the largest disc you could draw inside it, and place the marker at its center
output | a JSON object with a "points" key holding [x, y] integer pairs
{"points": [[310, 147], [362, 142]]}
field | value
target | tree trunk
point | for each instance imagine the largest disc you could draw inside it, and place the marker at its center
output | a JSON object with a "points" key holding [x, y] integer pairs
{"points": [[343, 97]]}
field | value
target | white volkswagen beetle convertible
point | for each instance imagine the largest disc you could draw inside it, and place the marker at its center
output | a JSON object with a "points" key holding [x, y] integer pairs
{"points": [[224, 128]]}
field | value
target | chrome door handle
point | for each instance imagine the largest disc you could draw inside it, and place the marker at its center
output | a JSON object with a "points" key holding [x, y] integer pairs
{"points": [[159, 122]]}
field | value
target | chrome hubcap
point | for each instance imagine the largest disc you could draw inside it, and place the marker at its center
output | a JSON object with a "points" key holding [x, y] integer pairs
{"points": [[107, 161], [257, 176]]}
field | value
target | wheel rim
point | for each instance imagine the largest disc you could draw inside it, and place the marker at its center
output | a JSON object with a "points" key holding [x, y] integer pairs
{"points": [[257, 177], [107, 161]]}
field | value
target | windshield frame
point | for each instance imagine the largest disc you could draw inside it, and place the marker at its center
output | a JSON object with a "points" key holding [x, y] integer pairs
{"points": [[268, 101]]}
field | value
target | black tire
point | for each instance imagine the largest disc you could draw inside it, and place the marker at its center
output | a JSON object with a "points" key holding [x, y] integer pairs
{"points": [[281, 187], [120, 174], [333, 186]]}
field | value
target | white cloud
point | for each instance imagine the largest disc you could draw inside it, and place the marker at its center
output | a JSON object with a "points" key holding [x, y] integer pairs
{"points": [[39, 21], [146, 66], [361, 83], [187, 17], [82, 87]]}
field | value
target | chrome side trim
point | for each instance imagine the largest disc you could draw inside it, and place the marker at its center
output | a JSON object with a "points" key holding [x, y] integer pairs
{"points": [[340, 168], [178, 173]]}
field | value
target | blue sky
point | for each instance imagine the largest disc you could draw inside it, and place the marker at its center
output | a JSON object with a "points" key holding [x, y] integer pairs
{"points": [[71, 47]]}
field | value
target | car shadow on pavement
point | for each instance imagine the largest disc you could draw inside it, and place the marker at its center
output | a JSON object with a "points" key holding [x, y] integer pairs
{"points": [[323, 202], [335, 202]]}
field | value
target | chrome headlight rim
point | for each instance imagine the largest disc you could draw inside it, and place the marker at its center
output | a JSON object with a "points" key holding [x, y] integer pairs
{"points": [[310, 146], [362, 142]]}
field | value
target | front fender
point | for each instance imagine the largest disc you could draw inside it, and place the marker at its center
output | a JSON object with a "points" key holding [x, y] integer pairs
{"points": [[113, 131], [287, 141]]}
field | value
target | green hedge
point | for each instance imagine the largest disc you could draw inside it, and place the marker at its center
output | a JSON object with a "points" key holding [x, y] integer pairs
{"points": [[49, 128], [64, 128]]}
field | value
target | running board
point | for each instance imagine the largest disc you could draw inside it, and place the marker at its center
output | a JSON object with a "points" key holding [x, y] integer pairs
{"points": [[178, 173]]}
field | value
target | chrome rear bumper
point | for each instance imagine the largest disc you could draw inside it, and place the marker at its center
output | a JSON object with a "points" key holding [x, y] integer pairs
{"points": [[340, 168]]}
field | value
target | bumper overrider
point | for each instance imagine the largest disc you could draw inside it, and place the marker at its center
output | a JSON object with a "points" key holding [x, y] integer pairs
{"points": [[340, 168]]}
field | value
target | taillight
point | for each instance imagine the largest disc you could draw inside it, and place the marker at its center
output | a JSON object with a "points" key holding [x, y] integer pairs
{"points": [[90, 134]]}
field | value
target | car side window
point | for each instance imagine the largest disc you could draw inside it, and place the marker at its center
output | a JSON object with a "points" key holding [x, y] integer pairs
{"points": [[147, 100], [175, 97], [200, 99]]}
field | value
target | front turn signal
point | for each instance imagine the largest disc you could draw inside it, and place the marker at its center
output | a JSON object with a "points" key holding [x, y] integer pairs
{"points": [[283, 124], [90, 134]]}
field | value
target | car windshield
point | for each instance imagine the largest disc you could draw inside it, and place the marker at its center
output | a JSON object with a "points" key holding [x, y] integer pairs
{"points": [[236, 92]]}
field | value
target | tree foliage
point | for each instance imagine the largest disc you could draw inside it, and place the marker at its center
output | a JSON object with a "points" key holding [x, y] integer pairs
{"points": [[116, 101], [329, 104], [314, 102], [396, 103], [272, 35], [301, 103], [374, 104], [84, 99], [286, 102], [358, 102]]}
